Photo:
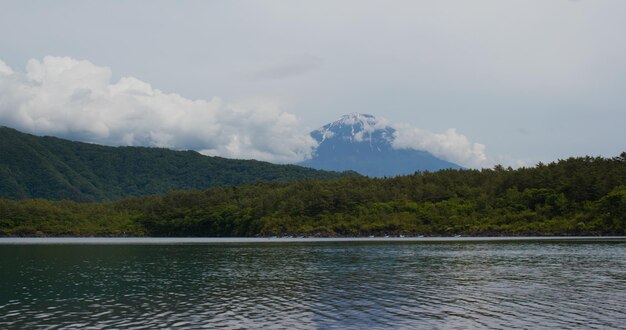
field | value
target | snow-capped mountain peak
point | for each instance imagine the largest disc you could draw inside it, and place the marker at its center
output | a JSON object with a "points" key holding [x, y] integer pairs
{"points": [[356, 128], [363, 143], [356, 117]]}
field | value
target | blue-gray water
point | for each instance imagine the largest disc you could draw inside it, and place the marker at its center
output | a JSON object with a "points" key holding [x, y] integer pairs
{"points": [[304, 284]]}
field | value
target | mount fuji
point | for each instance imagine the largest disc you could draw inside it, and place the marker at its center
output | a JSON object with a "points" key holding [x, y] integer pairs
{"points": [[361, 143]]}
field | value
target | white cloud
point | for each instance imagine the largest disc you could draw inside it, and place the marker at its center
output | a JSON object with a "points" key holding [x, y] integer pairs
{"points": [[5, 69], [449, 145], [76, 99]]}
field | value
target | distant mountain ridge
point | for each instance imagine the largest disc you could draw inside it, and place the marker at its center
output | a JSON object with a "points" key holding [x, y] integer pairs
{"points": [[361, 143], [53, 168]]}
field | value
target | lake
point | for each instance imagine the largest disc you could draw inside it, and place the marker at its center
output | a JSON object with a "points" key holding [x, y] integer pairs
{"points": [[305, 283]]}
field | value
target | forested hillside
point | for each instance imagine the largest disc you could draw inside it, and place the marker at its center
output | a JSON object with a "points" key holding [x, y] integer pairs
{"points": [[52, 168], [577, 196]]}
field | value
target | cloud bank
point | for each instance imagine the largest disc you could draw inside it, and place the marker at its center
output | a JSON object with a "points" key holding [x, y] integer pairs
{"points": [[449, 145], [76, 99]]}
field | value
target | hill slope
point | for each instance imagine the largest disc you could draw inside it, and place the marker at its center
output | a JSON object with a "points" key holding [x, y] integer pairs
{"points": [[359, 142], [52, 168]]}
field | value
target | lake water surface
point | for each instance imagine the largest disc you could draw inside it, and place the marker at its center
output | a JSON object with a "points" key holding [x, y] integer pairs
{"points": [[301, 283]]}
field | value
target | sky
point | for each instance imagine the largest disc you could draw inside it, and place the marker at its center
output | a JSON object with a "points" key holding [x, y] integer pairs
{"points": [[487, 82]]}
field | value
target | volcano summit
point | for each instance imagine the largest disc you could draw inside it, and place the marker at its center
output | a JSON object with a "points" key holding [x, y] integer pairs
{"points": [[362, 143]]}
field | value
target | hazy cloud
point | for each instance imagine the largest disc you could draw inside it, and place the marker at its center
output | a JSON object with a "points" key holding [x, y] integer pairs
{"points": [[5, 69], [293, 67], [76, 99]]}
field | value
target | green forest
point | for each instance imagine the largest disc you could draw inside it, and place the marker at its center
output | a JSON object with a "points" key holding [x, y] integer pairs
{"points": [[575, 196], [58, 169]]}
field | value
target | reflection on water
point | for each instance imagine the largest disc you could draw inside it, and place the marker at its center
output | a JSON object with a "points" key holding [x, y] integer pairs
{"points": [[315, 285]]}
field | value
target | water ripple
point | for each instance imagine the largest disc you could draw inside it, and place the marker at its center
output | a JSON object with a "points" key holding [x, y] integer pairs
{"points": [[309, 286]]}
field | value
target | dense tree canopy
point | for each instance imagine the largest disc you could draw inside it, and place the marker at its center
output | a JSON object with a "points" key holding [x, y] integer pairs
{"points": [[570, 197]]}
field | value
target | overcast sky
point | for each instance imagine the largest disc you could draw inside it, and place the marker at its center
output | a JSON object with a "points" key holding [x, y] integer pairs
{"points": [[528, 80]]}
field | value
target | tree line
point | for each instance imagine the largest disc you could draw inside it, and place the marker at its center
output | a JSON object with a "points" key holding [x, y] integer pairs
{"points": [[575, 196]]}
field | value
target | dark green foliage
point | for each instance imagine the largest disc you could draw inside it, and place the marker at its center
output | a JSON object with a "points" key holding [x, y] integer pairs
{"points": [[577, 196], [52, 168]]}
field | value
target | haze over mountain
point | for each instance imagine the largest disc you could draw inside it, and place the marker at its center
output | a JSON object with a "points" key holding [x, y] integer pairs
{"points": [[53, 168], [362, 143]]}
